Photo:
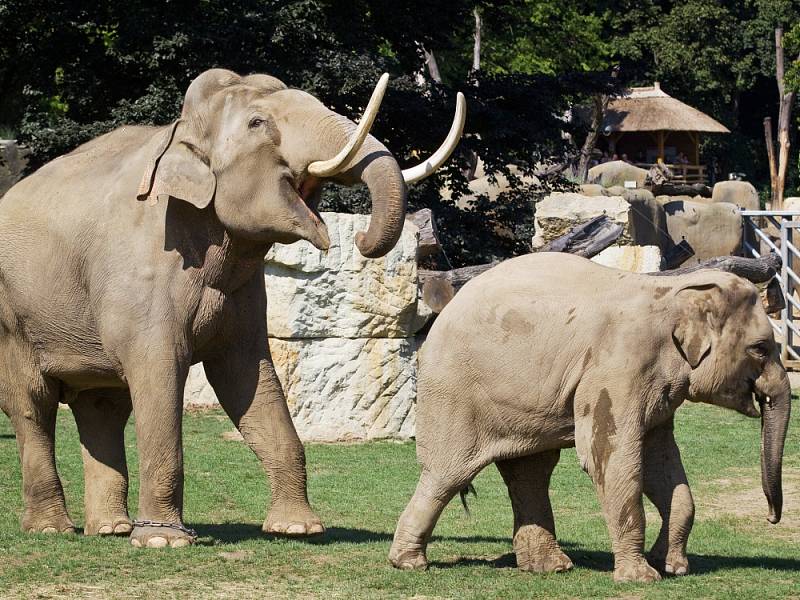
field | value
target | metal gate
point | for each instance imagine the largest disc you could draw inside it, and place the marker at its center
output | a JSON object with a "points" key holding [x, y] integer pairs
{"points": [[767, 231]]}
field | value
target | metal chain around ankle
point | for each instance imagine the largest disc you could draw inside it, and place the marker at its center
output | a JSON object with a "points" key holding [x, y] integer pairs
{"points": [[145, 523]]}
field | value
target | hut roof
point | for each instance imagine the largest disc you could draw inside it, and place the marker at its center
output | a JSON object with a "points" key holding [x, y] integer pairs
{"points": [[651, 109]]}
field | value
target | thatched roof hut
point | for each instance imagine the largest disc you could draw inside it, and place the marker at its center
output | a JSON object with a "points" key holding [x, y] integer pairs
{"points": [[647, 124]]}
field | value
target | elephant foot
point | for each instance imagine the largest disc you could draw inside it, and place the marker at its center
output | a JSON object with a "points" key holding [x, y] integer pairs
{"points": [[538, 552], [408, 559], [115, 525], [635, 570], [148, 536], [293, 521], [674, 562], [33, 523]]}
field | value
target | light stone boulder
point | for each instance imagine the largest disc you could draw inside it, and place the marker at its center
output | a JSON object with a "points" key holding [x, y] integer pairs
{"points": [[560, 211], [337, 388], [637, 259], [740, 193], [792, 203], [339, 293]]}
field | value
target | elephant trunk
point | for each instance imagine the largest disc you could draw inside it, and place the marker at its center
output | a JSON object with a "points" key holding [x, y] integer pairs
{"points": [[775, 411], [375, 166]]}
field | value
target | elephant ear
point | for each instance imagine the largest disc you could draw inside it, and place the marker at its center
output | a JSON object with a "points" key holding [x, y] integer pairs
{"points": [[176, 168], [694, 329]]}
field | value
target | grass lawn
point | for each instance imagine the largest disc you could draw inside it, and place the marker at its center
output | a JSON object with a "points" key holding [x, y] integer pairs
{"points": [[360, 489]]}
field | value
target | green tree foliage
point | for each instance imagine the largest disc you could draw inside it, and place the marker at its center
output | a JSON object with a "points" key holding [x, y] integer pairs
{"points": [[74, 70], [716, 55]]}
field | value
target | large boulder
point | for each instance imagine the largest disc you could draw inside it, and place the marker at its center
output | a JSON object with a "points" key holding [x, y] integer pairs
{"points": [[339, 293], [558, 212], [617, 172], [711, 229], [338, 388], [740, 193]]}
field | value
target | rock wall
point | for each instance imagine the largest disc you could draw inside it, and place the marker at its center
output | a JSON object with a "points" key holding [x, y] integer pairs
{"points": [[12, 163], [557, 213], [341, 333]]}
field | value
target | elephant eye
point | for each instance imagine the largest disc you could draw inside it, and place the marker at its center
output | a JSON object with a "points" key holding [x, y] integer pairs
{"points": [[759, 350], [255, 122]]}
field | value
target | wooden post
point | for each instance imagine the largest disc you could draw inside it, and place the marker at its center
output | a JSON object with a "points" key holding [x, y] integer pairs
{"points": [[661, 145], [695, 137]]}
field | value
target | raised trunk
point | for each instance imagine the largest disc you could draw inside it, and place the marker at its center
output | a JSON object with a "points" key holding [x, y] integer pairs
{"points": [[375, 166], [775, 414]]}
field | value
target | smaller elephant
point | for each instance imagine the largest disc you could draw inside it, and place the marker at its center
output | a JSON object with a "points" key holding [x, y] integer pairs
{"points": [[548, 351]]}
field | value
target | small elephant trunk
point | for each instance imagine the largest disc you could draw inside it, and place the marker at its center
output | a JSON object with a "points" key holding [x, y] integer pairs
{"points": [[775, 413]]}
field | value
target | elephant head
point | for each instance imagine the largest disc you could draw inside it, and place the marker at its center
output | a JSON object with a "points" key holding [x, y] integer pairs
{"points": [[261, 152], [723, 334]]}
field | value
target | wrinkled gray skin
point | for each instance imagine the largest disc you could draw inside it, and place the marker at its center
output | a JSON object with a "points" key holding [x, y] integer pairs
{"points": [[548, 351], [139, 254]]}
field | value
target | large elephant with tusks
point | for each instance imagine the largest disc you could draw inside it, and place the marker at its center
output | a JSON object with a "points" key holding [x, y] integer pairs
{"points": [[139, 254]]}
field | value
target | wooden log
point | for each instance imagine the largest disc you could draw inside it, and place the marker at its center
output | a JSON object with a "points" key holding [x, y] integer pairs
{"points": [[756, 270], [428, 234], [586, 239]]}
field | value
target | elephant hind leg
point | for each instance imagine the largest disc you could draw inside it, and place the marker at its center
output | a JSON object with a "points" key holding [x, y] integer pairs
{"points": [[434, 491], [101, 416], [32, 404], [528, 480]]}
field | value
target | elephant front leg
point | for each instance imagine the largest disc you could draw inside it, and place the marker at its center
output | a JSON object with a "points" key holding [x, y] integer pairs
{"points": [[613, 459], [101, 418], [666, 485], [250, 392], [156, 386]]}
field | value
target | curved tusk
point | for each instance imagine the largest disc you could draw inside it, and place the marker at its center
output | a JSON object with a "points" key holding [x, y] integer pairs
{"points": [[437, 159], [328, 168]]}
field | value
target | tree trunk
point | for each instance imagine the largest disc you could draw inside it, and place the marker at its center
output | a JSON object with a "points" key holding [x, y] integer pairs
{"points": [[784, 118], [773, 170], [432, 65], [599, 104], [476, 47]]}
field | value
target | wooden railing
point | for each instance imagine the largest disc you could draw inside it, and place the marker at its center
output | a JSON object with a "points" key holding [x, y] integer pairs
{"points": [[688, 174]]}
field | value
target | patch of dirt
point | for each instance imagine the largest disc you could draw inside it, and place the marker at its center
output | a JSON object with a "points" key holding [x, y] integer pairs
{"points": [[162, 588], [236, 555], [741, 497], [232, 436]]}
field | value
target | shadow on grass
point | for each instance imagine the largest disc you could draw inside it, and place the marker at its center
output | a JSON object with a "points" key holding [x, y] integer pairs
{"points": [[238, 532], [604, 561], [7, 436]]}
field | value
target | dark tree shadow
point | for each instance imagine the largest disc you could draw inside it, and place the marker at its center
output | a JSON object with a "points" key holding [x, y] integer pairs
{"points": [[7, 436]]}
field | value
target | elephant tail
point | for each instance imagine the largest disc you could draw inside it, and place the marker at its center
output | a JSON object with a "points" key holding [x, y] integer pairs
{"points": [[469, 488]]}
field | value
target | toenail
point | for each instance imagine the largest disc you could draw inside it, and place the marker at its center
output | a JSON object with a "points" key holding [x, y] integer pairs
{"points": [[105, 530], [136, 543], [296, 528], [49, 530], [179, 543], [157, 542]]}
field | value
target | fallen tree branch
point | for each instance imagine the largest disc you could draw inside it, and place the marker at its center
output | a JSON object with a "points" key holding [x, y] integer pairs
{"points": [[586, 239], [756, 270]]}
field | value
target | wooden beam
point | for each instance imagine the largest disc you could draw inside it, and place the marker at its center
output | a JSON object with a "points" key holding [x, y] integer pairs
{"points": [[661, 145]]}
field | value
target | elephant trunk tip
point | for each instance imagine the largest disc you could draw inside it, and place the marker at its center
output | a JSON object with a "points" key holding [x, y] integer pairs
{"points": [[774, 515]]}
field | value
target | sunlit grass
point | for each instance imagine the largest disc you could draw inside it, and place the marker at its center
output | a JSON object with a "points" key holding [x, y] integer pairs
{"points": [[360, 489]]}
